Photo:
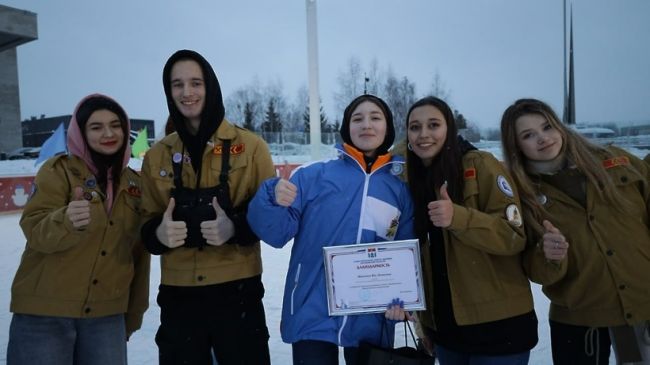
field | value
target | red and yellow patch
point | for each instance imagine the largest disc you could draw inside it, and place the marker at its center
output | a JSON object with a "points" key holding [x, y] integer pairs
{"points": [[616, 161], [134, 191], [234, 150], [470, 173]]}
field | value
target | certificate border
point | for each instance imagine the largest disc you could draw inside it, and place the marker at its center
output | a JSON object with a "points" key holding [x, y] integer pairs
{"points": [[331, 251]]}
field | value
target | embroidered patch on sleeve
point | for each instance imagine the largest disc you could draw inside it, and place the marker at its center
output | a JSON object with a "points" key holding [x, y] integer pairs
{"points": [[616, 161], [513, 215], [234, 149], [504, 186]]}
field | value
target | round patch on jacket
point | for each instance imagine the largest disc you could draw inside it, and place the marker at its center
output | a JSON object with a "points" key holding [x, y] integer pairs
{"points": [[90, 182], [177, 157], [397, 169], [513, 215], [542, 199], [504, 186]]}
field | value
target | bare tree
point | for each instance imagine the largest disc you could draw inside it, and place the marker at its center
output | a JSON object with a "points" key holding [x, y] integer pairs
{"points": [[438, 88], [375, 78], [296, 110], [399, 94], [350, 84], [235, 105]]}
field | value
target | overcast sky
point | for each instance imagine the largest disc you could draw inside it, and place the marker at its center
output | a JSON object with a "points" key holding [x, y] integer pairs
{"points": [[488, 52]]}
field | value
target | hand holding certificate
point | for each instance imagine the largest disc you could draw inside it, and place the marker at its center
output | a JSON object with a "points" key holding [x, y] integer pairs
{"points": [[365, 278]]}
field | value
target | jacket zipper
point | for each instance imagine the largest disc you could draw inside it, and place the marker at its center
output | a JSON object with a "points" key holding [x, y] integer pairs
{"points": [[295, 286], [345, 320]]}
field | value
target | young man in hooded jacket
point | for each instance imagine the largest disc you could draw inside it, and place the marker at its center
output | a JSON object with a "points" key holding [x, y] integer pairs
{"points": [[197, 184]]}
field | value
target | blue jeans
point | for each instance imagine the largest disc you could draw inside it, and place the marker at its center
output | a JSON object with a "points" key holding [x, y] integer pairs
{"points": [[65, 341], [450, 357]]}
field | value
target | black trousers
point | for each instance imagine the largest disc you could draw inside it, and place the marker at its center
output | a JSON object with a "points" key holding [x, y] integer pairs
{"points": [[577, 345], [225, 319], [312, 352]]}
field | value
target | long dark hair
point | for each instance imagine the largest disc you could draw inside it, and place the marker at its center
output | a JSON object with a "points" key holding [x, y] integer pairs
{"points": [[104, 162], [425, 181]]}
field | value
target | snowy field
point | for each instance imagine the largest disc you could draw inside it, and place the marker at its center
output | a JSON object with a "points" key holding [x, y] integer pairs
{"points": [[141, 347]]}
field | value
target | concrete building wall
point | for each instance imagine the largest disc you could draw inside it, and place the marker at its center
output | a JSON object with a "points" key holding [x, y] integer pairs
{"points": [[10, 128], [16, 27]]}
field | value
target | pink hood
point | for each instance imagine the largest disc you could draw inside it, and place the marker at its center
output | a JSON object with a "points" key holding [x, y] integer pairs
{"points": [[78, 147]]}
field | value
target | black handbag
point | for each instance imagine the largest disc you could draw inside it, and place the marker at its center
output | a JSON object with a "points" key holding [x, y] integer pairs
{"points": [[370, 354]]}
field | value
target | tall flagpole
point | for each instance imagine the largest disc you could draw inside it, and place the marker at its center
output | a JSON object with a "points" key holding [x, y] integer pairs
{"points": [[312, 61], [572, 92], [565, 111]]}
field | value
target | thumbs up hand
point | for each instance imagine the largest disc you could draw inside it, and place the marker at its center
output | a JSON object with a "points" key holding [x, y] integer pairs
{"points": [[220, 230], [78, 211], [441, 211], [285, 193], [171, 233], [555, 245]]}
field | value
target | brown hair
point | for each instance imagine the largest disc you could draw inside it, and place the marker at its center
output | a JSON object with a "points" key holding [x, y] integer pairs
{"points": [[586, 156]]}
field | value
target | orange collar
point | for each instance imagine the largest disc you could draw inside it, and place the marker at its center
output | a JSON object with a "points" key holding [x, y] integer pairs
{"points": [[358, 156]]}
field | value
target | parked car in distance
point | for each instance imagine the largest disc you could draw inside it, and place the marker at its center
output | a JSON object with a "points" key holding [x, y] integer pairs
{"points": [[24, 153]]}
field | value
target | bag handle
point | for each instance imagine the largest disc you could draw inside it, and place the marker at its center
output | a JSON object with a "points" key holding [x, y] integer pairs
{"points": [[406, 340]]}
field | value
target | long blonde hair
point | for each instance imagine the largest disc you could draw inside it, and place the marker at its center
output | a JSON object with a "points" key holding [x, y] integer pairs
{"points": [[586, 156]]}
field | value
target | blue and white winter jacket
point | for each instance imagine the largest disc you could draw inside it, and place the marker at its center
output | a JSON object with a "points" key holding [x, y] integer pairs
{"points": [[337, 203]]}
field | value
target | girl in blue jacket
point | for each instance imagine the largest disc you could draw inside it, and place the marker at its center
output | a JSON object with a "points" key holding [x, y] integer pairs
{"points": [[355, 198]]}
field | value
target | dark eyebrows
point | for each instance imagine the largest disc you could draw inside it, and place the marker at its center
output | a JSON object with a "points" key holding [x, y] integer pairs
{"points": [[192, 79], [95, 123]]}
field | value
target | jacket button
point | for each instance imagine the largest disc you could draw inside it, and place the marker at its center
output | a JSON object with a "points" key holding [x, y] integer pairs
{"points": [[87, 310], [591, 217], [628, 315], [200, 278], [110, 223], [624, 179], [95, 281], [610, 252], [622, 286], [103, 253]]}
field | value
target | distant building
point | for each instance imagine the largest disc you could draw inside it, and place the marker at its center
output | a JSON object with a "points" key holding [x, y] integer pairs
{"points": [[36, 130], [594, 132], [16, 27]]}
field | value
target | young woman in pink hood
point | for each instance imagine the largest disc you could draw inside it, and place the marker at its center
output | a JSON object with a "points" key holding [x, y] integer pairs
{"points": [[82, 285]]}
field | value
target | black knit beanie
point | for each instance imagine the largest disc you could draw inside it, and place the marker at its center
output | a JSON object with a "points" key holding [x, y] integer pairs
{"points": [[390, 128]]}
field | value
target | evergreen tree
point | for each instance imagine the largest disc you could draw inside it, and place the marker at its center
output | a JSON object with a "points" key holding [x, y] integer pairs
{"points": [[272, 122], [461, 122], [248, 117], [324, 126]]}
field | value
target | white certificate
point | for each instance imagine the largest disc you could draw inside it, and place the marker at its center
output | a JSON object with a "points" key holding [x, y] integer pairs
{"points": [[365, 278]]}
